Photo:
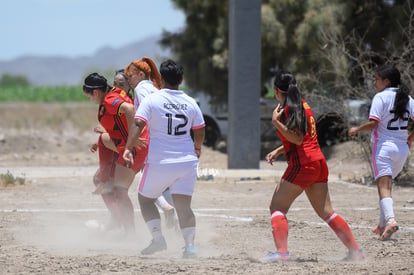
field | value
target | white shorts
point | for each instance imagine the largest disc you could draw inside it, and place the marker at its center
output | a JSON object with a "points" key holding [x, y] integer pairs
{"points": [[388, 158], [179, 177]]}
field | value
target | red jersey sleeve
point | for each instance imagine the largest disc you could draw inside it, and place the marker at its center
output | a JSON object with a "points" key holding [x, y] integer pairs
{"points": [[114, 99]]}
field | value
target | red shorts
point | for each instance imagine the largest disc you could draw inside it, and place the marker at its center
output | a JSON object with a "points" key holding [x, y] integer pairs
{"points": [[304, 175], [108, 160], [139, 158]]}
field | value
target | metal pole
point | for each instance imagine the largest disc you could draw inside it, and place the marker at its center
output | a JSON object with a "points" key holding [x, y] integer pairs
{"points": [[243, 141]]}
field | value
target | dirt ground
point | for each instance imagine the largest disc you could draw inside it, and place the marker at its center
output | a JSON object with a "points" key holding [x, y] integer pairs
{"points": [[42, 221]]}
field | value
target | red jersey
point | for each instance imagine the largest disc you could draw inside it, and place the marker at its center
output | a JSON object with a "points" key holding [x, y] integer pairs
{"points": [[309, 150], [113, 121]]}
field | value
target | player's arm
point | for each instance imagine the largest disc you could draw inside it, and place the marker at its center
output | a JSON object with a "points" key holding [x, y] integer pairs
{"points": [[295, 137], [369, 125], [410, 139], [199, 135], [270, 157], [134, 133]]}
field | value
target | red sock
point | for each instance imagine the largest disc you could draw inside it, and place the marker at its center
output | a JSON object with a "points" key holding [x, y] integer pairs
{"points": [[280, 229], [342, 230]]}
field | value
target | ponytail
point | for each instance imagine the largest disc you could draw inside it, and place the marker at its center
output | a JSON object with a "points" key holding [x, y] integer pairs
{"points": [[402, 95], [147, 66], [401, 101], [296, 117], [154, 74]]}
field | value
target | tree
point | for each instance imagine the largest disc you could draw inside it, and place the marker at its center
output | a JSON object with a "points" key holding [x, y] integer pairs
{"points": [[202, 46], [294, 37]]}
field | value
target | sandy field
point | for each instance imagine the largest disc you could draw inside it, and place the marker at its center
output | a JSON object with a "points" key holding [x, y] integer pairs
{"points": [[42, 221]]}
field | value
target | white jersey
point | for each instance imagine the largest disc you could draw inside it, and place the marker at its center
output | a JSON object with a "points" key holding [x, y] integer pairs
{"points": [[170, 115], [389, 128], [143, 89]]}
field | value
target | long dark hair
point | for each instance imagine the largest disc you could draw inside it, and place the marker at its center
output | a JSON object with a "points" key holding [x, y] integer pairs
{"points": [[402, 96], [296, 118]]}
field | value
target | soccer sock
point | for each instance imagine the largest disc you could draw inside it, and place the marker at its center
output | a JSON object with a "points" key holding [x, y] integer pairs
{"points": [[154, 227], [342, 230], [387, 207], [125, 207], [188, 235], [162, 203], [280, 230], [382, 220], [168, 196]]}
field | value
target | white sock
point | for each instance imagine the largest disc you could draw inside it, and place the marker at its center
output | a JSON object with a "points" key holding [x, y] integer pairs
{"points": [[382, 216], [162, 203], [387, 207], [154, 227], [188, 235], [168, 196]]}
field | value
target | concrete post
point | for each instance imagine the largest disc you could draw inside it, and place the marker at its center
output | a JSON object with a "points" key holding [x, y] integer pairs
{"points": [[243, 141]]}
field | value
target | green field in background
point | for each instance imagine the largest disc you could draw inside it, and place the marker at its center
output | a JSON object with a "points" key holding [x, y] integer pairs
{"points": [[42, 94]]}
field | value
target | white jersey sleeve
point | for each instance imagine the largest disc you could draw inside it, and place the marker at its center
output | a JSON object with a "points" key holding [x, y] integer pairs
{"points": [[389, 128], [170, 115], [143, 89]]}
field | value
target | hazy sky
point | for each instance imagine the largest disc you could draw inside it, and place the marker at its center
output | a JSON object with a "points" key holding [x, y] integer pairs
{"points": [[80, 27]]}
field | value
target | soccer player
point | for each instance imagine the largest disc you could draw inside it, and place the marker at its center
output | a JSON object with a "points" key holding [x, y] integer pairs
{"points": [[391, 109], [306, 171], [116, 116], [172, 162], [143, 76]]}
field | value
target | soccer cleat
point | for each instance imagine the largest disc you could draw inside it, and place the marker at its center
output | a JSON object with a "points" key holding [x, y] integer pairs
{"points": [[389, 229], [378, 230], [189, 252], [356, 255], [170, 218], [274, 257], [155, 246]]}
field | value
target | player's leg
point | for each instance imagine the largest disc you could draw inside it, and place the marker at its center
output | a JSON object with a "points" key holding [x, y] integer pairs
{"points": [[153, 181], [388, 162], [384, 185], [152, 219], [319, 198], [182, 190], [123, 179], [187, 222], [282, 199]]}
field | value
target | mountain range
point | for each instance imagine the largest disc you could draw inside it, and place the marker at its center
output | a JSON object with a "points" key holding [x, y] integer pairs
{"points": [[60, 70]]}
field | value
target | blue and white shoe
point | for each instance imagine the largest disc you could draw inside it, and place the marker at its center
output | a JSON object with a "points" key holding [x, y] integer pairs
{"points": [[274, 257], [189, 252]]}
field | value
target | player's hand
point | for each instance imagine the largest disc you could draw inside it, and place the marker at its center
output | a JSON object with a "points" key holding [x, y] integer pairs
{"points": [[128, 157], [271, 157], [352, 131], [99, 129], [94, 147], [277, 112], [198, 152]]}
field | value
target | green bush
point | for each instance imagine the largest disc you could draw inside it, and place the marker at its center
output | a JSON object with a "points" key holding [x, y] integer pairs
{"points": [[9, 179]]}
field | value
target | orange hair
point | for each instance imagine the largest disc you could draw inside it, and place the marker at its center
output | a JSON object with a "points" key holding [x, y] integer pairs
{"points": [[147, 66]]}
